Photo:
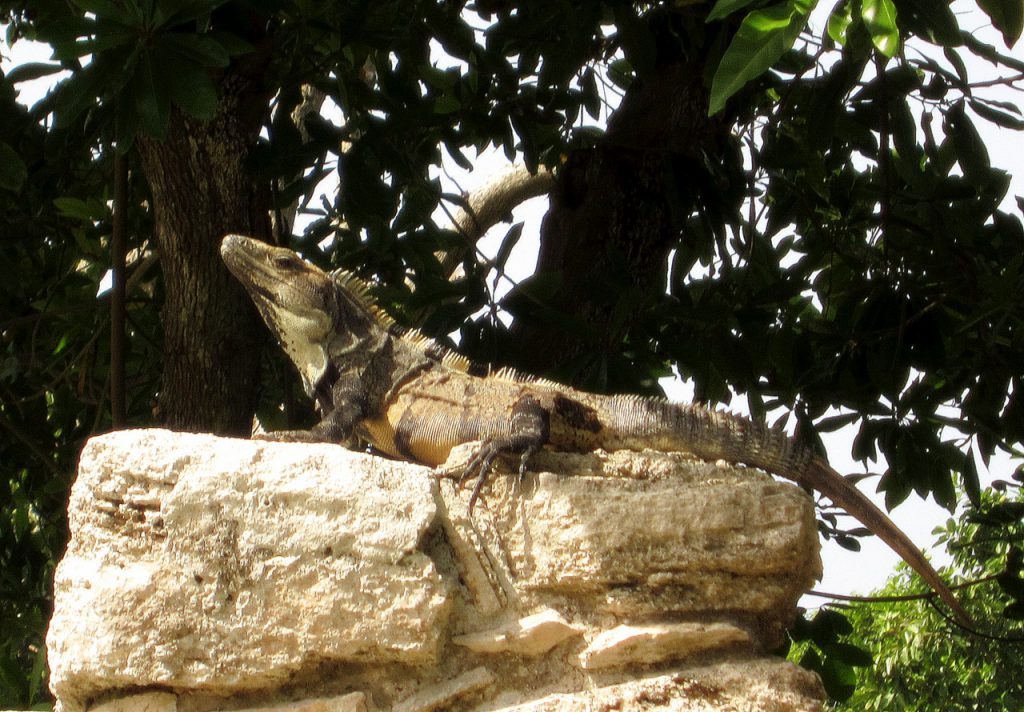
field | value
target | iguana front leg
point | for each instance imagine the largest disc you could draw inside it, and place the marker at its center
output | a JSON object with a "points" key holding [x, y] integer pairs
{"points": [[528, 430], [343, 406]]}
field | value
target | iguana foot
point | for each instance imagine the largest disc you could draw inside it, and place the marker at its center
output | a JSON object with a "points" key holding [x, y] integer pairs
{"points": [[481, 464]]}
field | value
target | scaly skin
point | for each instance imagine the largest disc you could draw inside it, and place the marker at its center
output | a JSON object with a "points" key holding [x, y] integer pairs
{"points": [[412, 399]]}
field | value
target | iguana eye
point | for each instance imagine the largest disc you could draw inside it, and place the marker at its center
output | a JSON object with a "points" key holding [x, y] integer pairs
{"points": [[286, 262]]}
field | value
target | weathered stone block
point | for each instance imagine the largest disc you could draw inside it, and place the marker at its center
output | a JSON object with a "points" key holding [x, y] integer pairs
{"points": [[203, 563], [206, 573]]}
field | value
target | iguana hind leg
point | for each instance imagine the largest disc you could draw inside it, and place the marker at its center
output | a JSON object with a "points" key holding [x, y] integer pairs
{"points": [[529, 428]]}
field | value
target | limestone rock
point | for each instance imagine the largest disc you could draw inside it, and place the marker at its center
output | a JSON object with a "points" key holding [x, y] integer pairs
{"points": [[146, 702], [766, 685], [204, 563], [354, 702], [207, 573], [532, 635], [644, 645], [626, 532], [442, 695], [167, 702]]}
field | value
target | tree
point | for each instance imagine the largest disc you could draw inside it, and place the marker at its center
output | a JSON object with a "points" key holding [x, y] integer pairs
{"points": [[918, 663], [46, 327], [809, 221], [894, 649]]}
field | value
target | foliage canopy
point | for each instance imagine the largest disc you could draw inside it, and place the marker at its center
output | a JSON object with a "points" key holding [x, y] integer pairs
{"points": [[817, 223], [910, 659]]}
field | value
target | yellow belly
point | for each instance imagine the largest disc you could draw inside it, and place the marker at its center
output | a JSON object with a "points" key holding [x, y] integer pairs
{"points": [[382, 435], [423, 425]]}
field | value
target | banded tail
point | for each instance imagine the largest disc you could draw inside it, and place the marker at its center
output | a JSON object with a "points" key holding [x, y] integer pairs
{"points": [[716, 435]]}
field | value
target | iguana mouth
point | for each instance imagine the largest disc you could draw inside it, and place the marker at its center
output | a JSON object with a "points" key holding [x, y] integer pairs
{"points": [[262, 291], [243, 258], [235, 255]]}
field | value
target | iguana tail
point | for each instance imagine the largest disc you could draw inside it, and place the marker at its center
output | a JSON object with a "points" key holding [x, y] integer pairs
{"points": [[830, 483], [711, 435]]}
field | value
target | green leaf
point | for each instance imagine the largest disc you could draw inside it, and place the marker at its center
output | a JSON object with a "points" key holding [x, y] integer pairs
{"points": [[828, 625], [77, 209], [904, 131], [232, 43], [591, 95], [934, 21], [811, 660], [197, 11], [13, 172], [763, 38], [203, 51], [958, 64], [61, 345], [37, 677], [999, 118], [724, 8], [850, 654], [880, 19], [969, 472], [109, 35], [457, 155], [620, 71], [447, 103], [776, 17], [152, 101], [1007, 16], [102, 8], [835, 422], [63, 35], [507, 244], [32, 70], [76, 94], [100, 80], [1008, 512], [839, 22], [187, 83], [838, 678], [971, 153], [847, 542]]}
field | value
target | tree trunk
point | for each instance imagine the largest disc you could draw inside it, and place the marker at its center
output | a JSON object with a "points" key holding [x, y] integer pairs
{"points": [[611, 214], [201, 191]]}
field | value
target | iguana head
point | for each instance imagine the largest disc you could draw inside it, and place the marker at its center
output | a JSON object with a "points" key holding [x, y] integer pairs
{"points": [[311, 316]]}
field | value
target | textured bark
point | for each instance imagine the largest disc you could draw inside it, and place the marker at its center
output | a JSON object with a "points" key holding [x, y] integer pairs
{"points": [[201, 191], [611, 209]]}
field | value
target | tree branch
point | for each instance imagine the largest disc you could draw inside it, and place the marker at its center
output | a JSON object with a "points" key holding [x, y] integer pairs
{"points": [[491, 204]]}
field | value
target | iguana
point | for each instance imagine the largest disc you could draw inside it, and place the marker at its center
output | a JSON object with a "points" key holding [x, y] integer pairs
{"points": [[412, 399]]}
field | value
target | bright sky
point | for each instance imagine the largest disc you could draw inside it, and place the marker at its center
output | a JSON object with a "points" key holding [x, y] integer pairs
{"points": [[845, 572]]}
